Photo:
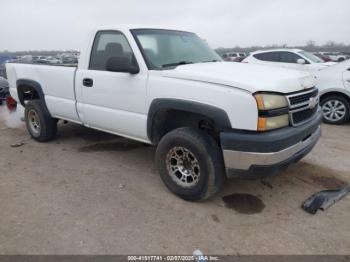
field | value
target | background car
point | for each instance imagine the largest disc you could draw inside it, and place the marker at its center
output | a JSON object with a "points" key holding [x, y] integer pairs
{"points": [[69, 60], [325, 58], [234, 56], [334, 87], [291, 58], [4, 90], [38, 58], [53, 60], [335, 56]]}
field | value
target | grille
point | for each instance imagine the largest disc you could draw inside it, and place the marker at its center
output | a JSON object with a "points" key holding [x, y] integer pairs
{"points": [[302, 106], [301, 116], [302, 98]]}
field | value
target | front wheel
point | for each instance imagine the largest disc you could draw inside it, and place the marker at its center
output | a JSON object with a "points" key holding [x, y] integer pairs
{"points": [[40, 125], [335, 109], [190, 164]]}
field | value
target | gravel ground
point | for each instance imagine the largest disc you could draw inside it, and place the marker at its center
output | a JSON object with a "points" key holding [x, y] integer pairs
{"points": [[88, 192]]}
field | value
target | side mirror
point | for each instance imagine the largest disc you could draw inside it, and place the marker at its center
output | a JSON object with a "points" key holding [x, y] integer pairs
{"points": [[301, 61], [122, 65]]}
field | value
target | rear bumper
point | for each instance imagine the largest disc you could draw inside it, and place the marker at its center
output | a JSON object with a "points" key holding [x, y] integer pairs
{"points": [[261, 154]]}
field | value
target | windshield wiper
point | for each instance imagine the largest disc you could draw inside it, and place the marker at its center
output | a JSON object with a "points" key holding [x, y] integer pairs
{"points": [[212, 61], [178, 63]]}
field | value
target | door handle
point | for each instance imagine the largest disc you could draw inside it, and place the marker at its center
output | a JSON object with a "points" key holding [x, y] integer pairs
{"points": [[88, 82]]}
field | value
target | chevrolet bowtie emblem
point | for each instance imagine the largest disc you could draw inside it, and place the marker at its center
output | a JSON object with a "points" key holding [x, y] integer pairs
{"points": [[313, 102]]}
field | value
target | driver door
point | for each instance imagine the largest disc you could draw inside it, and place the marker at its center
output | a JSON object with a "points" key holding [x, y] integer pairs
{"points": [[112, 101]]}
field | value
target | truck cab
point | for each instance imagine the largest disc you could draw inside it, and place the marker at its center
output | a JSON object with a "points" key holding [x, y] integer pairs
{"points": [[209, 119]]}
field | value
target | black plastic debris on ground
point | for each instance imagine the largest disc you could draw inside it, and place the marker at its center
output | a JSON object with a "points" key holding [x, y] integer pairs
{"points": [[324, 199]]}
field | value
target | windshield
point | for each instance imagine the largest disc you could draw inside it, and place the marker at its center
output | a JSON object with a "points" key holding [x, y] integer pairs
{"points": [[311, 57], [164, 49]]}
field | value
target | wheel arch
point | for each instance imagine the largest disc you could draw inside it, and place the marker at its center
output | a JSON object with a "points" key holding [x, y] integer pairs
{"points": [[27, 85], [28, 89], [162, 111], [335, 92]]}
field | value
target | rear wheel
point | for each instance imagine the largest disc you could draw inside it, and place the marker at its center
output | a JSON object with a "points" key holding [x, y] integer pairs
{"points": [[190, 164], [40, 125], [335, 109]]}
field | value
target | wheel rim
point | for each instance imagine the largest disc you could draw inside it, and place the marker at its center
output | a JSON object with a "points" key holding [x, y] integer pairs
{"points": [[183, 167], [34, 122], [334, 110]]}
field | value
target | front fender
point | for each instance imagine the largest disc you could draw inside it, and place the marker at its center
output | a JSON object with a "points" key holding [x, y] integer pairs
{"points": [[218, 115]]}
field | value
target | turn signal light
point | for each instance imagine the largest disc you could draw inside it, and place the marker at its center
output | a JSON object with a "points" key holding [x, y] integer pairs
{"points": [[270, 123]]}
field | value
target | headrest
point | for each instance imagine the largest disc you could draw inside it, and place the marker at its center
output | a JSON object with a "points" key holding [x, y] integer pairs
{"points": [[114, 49]]}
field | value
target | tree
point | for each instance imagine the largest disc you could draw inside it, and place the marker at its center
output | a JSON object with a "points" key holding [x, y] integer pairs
{"points": [[330, 44], [310, 43]]}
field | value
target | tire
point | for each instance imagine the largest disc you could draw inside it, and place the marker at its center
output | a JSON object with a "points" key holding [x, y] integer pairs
{"points": [[341, 59], [335, 109], [195, 152], [40, 125]]}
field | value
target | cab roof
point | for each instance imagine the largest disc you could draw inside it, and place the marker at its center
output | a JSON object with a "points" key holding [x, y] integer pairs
{"points": [[139, 26]]}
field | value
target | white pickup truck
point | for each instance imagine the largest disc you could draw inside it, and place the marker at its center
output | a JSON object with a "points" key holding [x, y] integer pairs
{"points": [[209, 119]]}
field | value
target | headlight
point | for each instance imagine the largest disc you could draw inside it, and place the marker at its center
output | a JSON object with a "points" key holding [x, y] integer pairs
{"points": [[270, 101], [273, 111], [269, 123]]}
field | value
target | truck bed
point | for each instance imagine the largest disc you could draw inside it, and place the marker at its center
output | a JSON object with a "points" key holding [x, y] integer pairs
{"points": [[56, 82]]}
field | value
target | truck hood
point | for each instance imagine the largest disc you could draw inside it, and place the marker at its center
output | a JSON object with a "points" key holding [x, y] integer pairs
{"points": [[249, 77]]}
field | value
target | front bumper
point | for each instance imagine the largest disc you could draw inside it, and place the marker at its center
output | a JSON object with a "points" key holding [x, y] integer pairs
{"points": [[252, 154]]}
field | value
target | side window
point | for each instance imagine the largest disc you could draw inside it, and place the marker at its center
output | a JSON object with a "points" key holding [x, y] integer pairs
{"points": [[288, 57], [109, 44], [269, 56]]}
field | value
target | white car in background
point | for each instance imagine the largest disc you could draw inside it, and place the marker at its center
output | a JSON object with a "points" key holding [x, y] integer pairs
{"points": [[289, 58], [53, 60], [334, 88]]}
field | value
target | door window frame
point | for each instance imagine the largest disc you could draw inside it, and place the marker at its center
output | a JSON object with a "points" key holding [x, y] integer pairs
{"points": [[288, 52], [95, 42]]}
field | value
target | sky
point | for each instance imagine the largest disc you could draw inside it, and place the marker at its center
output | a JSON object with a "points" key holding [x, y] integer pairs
{"points": [[66, 24]]}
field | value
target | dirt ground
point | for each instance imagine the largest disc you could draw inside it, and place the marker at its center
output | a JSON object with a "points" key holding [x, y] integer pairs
{"points": [[92, 193]]}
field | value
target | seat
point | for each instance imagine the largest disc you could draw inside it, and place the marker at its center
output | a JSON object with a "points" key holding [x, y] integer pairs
{"points": [[101, 57], [114, 49]]}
